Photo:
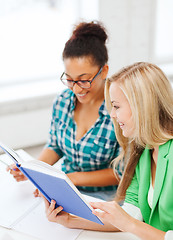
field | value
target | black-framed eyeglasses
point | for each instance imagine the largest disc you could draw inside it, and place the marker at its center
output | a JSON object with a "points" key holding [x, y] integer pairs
{"points": [[81, 83]]}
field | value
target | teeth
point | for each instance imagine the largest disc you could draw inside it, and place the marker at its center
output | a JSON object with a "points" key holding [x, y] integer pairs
{"points": [[81, 95]]}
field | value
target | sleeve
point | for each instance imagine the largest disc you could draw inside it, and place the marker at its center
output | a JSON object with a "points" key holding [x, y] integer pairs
{"points": [[52, 142], [133, 211], [169, 235], [132, 192]]}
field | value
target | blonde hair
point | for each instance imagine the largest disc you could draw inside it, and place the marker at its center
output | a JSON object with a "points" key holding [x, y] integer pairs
{"points": [[150, 96]]}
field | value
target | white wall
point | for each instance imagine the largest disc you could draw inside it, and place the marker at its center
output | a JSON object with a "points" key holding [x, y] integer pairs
{"points": [[25, 122], [130, 25], [26, 128], [130, 29]]}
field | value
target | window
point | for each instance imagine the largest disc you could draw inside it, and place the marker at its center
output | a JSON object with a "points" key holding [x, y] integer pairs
{"points": [[33, 34], [164, 32], [163, 46]]}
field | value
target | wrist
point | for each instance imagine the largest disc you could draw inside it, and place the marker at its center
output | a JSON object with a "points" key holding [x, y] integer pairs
{"points": [[73, 222], [131, 226], [144, 231]]}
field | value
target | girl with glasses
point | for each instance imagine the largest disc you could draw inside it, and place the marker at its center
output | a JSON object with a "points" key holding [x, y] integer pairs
{"points": [[81, 131]]}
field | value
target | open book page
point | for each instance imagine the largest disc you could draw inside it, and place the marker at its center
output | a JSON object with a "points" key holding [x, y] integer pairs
{"points": [[16, 198], [43, 167], [37, 225], [10, 152]]}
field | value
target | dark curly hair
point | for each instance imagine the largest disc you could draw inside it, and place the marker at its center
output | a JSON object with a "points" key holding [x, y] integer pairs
{"points": [[88, 39]]}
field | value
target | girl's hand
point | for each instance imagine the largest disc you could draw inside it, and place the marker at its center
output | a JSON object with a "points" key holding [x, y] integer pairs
{"points": [[114, 214], [111, 212], [56, 214], [37, 193], [17, 174]]}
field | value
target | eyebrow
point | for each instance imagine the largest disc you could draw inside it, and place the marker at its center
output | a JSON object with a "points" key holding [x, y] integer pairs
{"points": [[79, 75], [114, 102]]}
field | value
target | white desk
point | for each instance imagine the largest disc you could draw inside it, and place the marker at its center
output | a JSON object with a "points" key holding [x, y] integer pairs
{"points": [[9, 234], [6, 234], [88, 235]]}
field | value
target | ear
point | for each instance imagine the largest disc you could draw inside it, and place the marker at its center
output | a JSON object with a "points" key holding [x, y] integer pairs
{"points": [[105, 71]]}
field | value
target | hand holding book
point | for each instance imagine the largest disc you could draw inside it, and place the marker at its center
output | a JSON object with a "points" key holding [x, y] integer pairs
{"points": [[17, 174], [54, 214]]}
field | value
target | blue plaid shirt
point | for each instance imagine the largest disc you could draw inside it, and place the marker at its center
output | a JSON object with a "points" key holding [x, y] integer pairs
{"points": [[94, 151]]}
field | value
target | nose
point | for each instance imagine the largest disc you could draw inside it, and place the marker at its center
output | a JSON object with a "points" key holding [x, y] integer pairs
{"points": [[113, 113], [76, 89]]}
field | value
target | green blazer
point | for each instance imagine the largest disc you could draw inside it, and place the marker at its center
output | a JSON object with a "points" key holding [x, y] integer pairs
{"points": [[161, 214]]}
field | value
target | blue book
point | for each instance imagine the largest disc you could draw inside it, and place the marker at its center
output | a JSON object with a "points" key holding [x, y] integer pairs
{"points": [[54, 185]]}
